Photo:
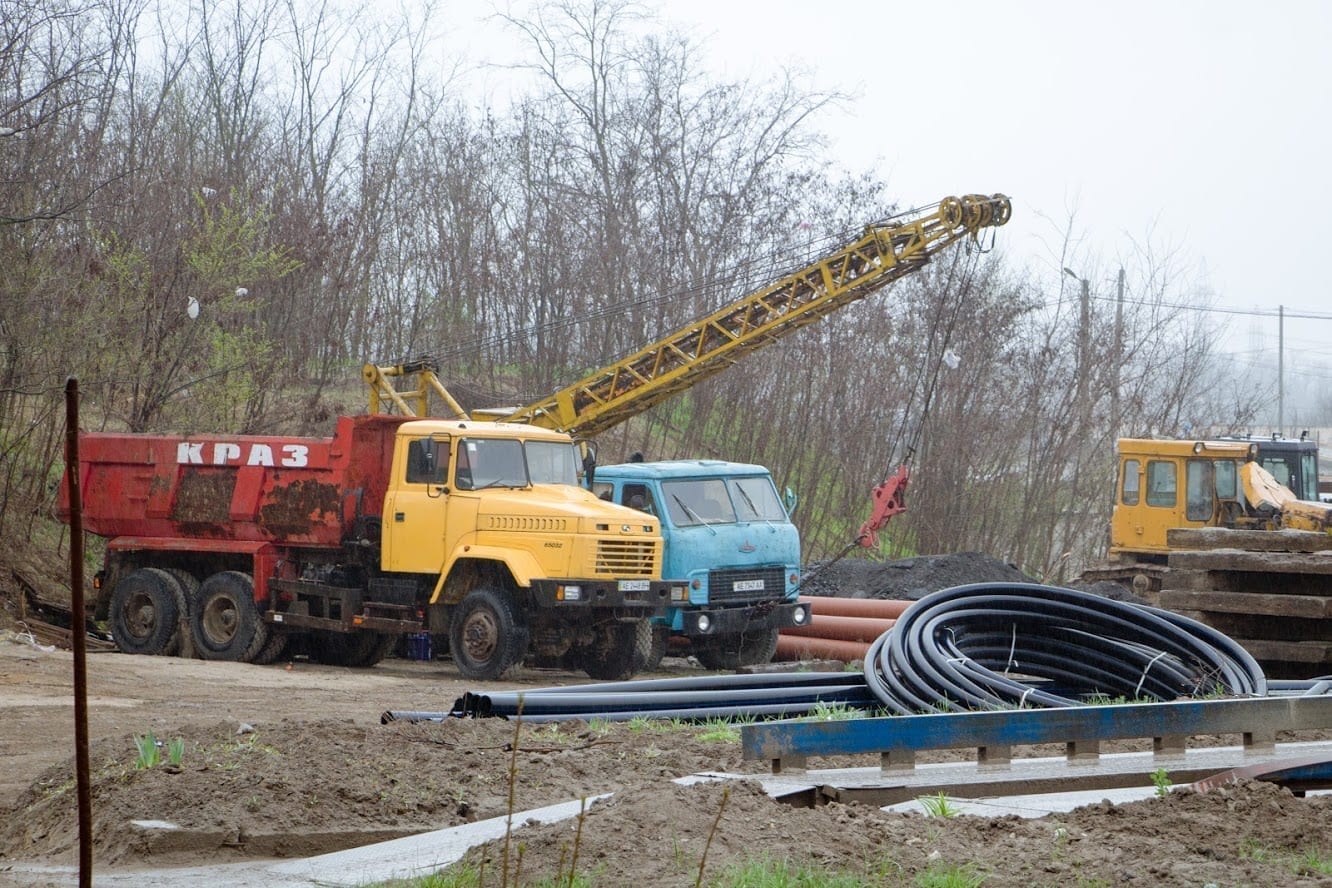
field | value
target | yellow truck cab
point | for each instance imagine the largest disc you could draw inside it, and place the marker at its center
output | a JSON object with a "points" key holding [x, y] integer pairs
{"points": [[522, 559]]}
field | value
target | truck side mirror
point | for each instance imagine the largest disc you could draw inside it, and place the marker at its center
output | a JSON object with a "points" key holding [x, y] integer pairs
{"points": [[589, 463], [790, 500]]}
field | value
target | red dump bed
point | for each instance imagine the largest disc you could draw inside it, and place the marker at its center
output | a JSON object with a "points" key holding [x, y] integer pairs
{"points": [[297, 491]]}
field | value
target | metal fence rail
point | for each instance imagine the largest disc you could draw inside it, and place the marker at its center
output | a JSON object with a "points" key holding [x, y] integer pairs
{"points": [[787, 745]]}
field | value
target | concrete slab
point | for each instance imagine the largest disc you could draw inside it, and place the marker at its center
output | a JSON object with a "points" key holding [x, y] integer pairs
{"points": [[397, 859]]}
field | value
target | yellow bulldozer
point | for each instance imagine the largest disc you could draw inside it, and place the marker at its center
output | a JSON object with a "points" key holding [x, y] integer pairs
{"points": [[1206, 528]]}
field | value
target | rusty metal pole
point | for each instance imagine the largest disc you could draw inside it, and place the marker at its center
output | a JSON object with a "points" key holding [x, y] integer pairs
{"points": [[78, 633]]}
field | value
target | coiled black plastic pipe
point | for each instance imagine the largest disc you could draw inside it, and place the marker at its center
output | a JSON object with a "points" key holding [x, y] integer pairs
{"points": [[1009, 645], [976, 647]]}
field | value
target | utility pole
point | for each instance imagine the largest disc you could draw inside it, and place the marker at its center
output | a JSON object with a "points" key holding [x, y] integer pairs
{"points": [[1281, 369], [1084, 347], [1118, 358]]}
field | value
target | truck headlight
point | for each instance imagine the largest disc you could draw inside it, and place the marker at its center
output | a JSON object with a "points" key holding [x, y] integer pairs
{"points": [[568, 593], [704, 623], [679, 593], [800, 617]]}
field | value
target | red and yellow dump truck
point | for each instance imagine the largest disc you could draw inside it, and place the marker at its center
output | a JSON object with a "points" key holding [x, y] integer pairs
{"points": [[235, 545]]}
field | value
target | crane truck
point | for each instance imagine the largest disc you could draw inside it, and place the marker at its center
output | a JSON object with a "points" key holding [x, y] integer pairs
{"points": [[1203, 528], [732, 555], [235, 546]]}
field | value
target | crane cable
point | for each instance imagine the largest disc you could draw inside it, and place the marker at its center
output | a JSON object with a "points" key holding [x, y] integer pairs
{"points": [[910, 449]]}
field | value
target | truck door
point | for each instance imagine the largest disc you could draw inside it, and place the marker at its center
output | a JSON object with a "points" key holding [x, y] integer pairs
{"points": [[414, 507]]}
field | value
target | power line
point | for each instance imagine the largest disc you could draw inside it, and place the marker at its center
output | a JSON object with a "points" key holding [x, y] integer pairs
{"points": [[1217, 309]]}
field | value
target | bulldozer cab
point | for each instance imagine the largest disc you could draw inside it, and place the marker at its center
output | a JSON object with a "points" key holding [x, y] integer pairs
{"points": [[1293, 462], [1167, 484]]}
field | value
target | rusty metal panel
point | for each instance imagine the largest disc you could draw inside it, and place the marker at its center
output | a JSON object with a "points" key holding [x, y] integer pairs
{"points": [[299, 491]]}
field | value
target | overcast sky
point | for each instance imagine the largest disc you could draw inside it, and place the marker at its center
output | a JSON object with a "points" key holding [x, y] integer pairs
{"points": [[1200, 125]]}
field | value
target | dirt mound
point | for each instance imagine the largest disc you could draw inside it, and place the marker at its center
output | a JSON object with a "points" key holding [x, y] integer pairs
{"points": [[907, 578], [639, 837], [300, 788], [319, 773]]}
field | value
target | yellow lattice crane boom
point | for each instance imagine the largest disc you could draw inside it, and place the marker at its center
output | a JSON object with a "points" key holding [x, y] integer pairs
{"points": [[884, 253]]}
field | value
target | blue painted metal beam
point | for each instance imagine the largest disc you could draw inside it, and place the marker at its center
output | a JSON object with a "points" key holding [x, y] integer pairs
{"points": [[1259, 719]]}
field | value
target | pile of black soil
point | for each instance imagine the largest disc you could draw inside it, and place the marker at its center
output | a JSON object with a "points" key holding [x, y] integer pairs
{"points": [[907, 578]]}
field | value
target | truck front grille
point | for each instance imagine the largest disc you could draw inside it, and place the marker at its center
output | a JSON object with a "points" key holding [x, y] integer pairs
{"points": [[626, 558], [721, 585]]}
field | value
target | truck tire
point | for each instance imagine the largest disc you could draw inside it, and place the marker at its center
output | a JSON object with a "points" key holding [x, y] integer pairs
{"points": [[225, 621], [734, 651], [189, 590], [486, 636], [273, 648], [353, 649], [661, 636], [145, 612], [619, 652]]}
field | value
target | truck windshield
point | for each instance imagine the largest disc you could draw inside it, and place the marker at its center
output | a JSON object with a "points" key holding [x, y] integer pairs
{"points": [[756, 499], [490, 462], [698, 502], [552, 462], [509, 462]]}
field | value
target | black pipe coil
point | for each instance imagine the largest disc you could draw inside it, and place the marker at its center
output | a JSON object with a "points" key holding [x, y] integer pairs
{"points": [[975, 647], [1008, 645]]}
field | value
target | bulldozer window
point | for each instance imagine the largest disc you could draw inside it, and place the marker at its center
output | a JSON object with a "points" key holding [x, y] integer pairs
{"points": [[1227, 479], [1162, 483], [1280, 469], [1129, 485], [1199, 490]]}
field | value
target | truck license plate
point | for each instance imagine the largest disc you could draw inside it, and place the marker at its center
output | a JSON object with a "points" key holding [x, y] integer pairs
{"points": [[747, 586], [633, 585]]}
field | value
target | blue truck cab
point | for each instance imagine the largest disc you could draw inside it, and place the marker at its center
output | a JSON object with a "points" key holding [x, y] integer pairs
{"points": [[731, 554]]}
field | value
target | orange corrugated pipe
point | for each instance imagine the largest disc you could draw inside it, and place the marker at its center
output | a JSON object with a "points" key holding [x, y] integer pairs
{"points": [[876, 608], [791, 648], [861, 629]]}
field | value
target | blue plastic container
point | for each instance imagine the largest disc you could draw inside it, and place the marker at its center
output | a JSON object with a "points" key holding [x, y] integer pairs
{"points": [[418, 646]]}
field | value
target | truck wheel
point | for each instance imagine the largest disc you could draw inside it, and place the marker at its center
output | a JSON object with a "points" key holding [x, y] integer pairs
{"points": [[660, 639], [189, 590], [734, 651], [384, 643], [225, 622], [353, 649], [145, 612], [273, 648], [620, 650], [486, 637]]}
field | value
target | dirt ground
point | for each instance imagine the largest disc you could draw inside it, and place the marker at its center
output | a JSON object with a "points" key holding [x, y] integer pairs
{"points": [[318, 772], [291, 760]]}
